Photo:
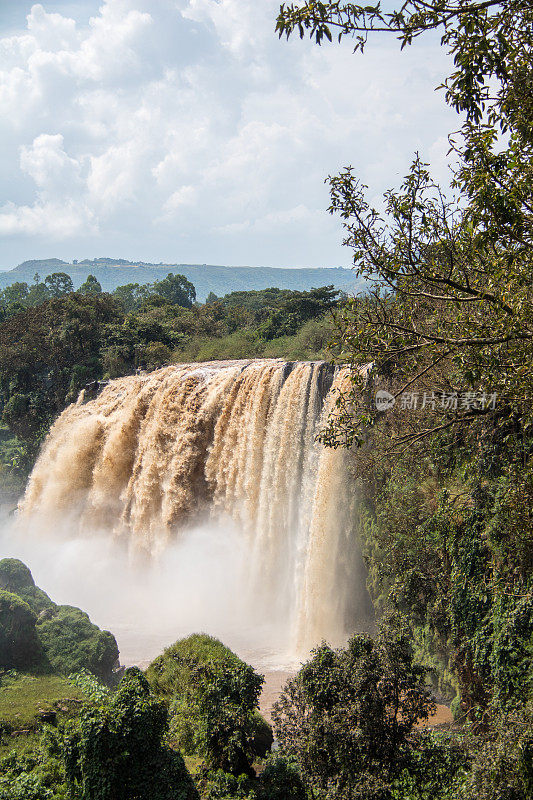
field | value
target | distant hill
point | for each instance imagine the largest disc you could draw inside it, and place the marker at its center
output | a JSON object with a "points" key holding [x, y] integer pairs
{"points": [[205, 277]]}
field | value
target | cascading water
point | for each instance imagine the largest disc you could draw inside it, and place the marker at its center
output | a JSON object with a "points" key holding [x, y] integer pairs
{"points": [[155, 457]]}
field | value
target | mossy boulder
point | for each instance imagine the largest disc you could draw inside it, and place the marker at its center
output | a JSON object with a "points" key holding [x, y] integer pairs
{"points": [[20, 647], [174, 671], [53, 638], [16, 577], [71, 643]]}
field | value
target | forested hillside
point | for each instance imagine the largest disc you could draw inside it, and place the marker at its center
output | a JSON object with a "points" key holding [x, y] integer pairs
{"points": [[113, 272]]}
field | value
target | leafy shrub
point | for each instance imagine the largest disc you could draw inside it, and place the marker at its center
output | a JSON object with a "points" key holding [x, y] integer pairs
{"points": [[37, 774], [220, 785], [116, 751], [436, 767], [71, 643], [347, 718], [214, 699], [502, 760], [91, 687], [280, 780]]}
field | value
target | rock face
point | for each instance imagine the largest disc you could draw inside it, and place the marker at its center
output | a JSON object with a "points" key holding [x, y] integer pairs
{"points": [[38, 635]]}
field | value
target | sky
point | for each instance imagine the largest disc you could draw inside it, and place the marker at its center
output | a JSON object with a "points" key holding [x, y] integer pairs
{"points": [[185, 131]]}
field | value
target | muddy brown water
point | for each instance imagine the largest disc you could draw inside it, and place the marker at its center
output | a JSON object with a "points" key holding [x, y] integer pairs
{"points": [[275, 680]]}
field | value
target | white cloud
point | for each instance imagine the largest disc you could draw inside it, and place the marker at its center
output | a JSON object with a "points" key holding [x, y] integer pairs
{"points": [[56, 221], [187, 131], [53, 32], [50, 167]]}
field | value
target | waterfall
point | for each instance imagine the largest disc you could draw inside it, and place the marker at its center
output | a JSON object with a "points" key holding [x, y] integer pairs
{"points": [[154, 455]]}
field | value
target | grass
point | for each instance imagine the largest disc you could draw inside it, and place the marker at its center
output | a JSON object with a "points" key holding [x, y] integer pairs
{"points": [[22, 697], [20, 745]]}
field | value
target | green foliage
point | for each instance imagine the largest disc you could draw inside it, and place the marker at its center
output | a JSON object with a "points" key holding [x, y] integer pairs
{"points": [[447, 490], [23, 696], [445, 536], [15, 576], [451, 308], [16, 459], [501, 761], [117, 751], [241, 344], [176, 289], [47, 354], [42, 635], [213, 699], [297, 309], [91, 687], [436, 768], [32, 776], [14, 298], [20, 647], [59, 284], [347, 719], [71, 642], [280, 780], [220, 785], [91, 286], [130, 296], [37, 294]]}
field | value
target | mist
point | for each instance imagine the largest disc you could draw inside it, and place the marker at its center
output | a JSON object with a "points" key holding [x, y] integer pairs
{"points": [[198, 584]]}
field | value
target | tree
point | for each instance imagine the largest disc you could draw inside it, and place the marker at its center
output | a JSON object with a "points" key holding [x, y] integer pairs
{"points": [[59, 284], [176, 289], [131, 295], [450, 317], [348, 717], [91, 286], [211, 298], [214, 697], [116, 751], [37, 294], [47, 354], [297, 308], [452, 308], [488, 39], [16, 293]]}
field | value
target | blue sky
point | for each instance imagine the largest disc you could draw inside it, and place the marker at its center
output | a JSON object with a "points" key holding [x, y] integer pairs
{"points": [[185, 131]]}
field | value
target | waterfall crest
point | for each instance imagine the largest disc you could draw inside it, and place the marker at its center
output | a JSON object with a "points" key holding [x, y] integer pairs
{"points": [[152, 455]]}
